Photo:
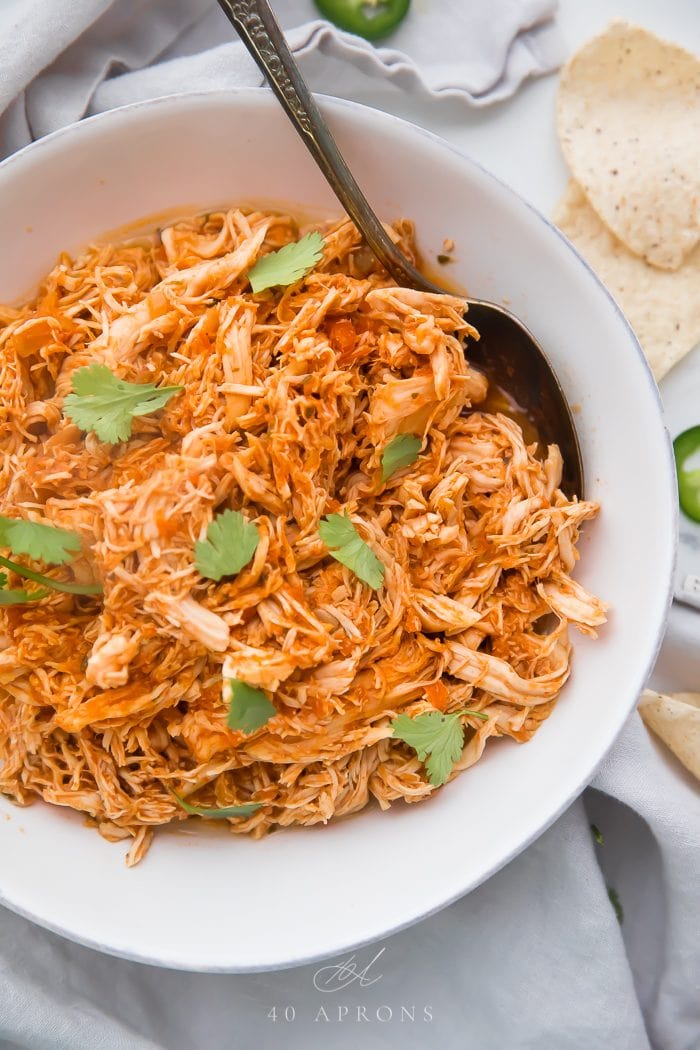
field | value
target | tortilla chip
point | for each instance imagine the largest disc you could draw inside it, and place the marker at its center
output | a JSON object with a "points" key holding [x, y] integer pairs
{"points": [[628, 116], [687, 698], [676, 723], [662, 307]]}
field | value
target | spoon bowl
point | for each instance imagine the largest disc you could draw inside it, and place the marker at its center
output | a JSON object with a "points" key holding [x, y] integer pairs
{"points": [[511, 357], [507, 352]]}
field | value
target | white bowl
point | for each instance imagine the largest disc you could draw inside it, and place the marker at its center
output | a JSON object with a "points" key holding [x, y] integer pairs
{"points": [[208, 901]]}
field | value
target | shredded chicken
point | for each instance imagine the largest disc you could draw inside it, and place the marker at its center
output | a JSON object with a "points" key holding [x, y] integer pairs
{"points": [[108, 704]]}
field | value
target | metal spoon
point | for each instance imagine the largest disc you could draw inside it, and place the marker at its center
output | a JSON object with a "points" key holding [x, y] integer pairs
{"points": [[507, 352]]}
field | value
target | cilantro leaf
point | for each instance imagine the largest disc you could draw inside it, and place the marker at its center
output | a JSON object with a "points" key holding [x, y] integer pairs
{"points": [[216, 813], [106, 405], [287, 265], [19, 597], [347, 546], [44, 542], [230, 544], [597, 835], [400, 452], [434, 736], [249, 708]]}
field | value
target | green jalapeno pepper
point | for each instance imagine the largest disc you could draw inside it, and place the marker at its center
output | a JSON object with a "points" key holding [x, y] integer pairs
{"points": [[371, 19], [684, 446]]}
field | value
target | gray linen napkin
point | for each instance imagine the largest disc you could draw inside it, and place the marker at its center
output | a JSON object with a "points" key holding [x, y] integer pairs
{"points": [[61, 59]]}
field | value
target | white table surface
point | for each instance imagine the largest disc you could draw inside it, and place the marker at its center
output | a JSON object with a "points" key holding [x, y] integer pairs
{"points": [[516, 139]]}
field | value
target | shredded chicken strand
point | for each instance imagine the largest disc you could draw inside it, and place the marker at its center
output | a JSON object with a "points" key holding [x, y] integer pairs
{"points": [[109, 704]]}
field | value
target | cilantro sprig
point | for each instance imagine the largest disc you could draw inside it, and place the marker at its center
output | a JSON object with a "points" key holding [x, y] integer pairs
{"points": [[15, 596], [215, 812], [436, 738], [106, 405], [48, 581], [287, 265], [347, 546], [47, 543], [401, 452], [249, 708], [230, 544]]}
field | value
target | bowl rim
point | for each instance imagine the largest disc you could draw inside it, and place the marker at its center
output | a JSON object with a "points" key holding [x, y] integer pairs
{"points": [[329, 103]]}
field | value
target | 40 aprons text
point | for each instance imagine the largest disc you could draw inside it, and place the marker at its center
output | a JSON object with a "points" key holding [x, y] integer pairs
{"points": [[340, 1013]]}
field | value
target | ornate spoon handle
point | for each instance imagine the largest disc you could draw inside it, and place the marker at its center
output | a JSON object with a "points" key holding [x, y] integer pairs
{"points": [[259, 31]]}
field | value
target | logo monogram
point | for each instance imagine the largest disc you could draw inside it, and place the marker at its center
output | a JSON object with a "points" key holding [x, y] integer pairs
{"points": [[337, 976]]}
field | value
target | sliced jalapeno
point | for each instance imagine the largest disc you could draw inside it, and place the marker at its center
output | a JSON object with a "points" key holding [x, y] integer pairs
{"points": [[371, 19], [684, 446]]}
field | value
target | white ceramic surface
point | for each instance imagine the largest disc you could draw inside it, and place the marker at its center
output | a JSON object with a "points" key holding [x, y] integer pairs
{"points": [[204, 900]]}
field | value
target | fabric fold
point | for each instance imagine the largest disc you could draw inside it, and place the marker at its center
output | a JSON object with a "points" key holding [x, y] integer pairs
{"points": [[74, 57]]}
